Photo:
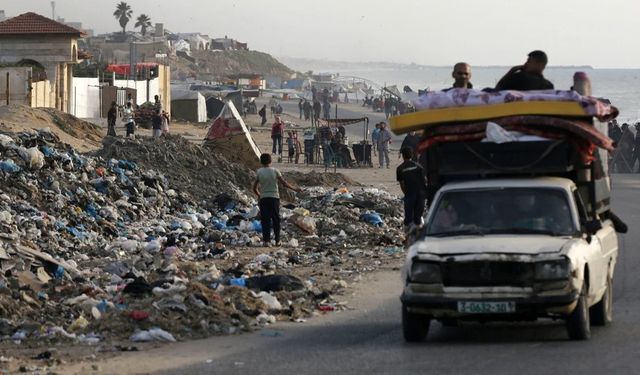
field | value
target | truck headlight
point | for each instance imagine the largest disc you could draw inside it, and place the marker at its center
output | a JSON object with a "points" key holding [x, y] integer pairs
{"points": [[427, 273], [552, 270]]}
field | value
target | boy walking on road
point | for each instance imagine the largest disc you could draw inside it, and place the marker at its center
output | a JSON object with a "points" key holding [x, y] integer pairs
{"points": [[267, 178]]}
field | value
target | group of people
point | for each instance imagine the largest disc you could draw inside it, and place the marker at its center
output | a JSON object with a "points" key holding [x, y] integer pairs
{"points": [[623, 159], [159, 120], [391, 106]]}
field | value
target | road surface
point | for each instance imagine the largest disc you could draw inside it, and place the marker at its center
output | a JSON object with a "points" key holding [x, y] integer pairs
{"points": [[368, 339]]}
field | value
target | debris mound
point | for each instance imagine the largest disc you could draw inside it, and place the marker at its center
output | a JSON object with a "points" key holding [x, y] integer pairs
{"points": [[314, 178], [196, 170], [96, 249]]}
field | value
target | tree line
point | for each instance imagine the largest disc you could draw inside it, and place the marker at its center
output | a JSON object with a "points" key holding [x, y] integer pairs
{"points": [[124, 13]]}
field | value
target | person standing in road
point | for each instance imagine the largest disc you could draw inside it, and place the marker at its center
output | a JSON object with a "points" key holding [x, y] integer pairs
{"points": [[267, 179], [412, 140], [375, 135], [263, 114], [300, 107], [112, 116], [317, 108], [156, 124], [384, 140], [412, 182], [277, 130], [127, 118], [306, 107]]}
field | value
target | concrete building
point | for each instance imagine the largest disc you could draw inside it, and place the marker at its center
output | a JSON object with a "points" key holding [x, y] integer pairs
{"points": [[50, 46], [228, 44]]}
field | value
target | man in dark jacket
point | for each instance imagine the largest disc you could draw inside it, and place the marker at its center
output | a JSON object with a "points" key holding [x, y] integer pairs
{"points": [[112, 116], [412, 182], [263, 114], [528, 76], [412, 140]]}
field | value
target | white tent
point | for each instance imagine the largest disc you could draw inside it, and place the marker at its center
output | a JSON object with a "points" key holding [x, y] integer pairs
{"points": [[229, 135], [188, 105]]}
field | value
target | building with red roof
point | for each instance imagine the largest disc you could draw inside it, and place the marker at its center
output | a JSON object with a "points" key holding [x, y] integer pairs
{"points": [[48, 46]]}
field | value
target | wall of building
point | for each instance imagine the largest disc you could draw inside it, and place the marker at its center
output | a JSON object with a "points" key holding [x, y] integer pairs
{"points": [[41, 95], [18, 78], [85, 98]]}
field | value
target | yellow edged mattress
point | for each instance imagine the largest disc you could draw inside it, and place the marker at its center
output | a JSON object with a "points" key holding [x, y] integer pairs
{"points": [[422, 119]]}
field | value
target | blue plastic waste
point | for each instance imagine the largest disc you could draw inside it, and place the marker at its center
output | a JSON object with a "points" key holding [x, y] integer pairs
{"points": [[9, 166], [126, 164], [257, 225], [59, 273], [238, 282], [220, 225], [92, 210], [47, 151], [102, 306], [372, 218]]}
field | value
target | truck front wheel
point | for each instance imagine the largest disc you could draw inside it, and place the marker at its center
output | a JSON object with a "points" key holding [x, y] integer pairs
{"points": [[414, 326], [578, 322]]}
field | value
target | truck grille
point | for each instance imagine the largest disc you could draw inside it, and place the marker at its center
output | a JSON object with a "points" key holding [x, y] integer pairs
{"points": [[485, 273]]}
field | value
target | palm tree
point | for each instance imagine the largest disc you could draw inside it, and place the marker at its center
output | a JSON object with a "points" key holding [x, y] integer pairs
{"points": [[143, 21], [123, 14]]}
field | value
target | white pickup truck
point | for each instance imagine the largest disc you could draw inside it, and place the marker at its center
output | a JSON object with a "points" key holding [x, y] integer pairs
{"points": [[510, 249]]}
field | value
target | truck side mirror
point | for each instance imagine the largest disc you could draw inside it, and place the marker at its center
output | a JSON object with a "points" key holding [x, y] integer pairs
{"points": [[592, 226]]}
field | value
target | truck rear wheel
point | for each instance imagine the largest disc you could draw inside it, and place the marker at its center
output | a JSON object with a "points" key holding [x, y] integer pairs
{"points": [[578, 322], [414, 326], [602, 312]]}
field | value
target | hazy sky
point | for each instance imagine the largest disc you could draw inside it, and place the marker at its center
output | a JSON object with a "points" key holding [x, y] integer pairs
{"points": [[600, 33]]}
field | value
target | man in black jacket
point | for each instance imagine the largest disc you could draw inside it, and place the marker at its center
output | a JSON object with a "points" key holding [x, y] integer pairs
{"points": [[528, 76]]}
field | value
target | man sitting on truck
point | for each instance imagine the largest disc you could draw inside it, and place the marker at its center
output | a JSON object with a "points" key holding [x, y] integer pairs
{"points": [[412, 182], [528, 76], [461, 75]]}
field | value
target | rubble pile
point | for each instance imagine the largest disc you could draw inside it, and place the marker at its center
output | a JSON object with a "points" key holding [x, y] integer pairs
{"points": [[190, 167], [96, 248]]}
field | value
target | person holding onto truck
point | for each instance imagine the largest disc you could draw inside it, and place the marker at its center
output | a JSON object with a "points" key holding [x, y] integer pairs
{"points": [[461, 75], [383, 145], [412, 182], [528, 76], [267, 179]]}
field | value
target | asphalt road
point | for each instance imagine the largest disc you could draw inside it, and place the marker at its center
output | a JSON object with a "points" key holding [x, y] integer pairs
{"points": [[369, 340]]}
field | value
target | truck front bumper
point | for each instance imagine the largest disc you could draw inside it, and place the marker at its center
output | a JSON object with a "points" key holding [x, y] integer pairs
{"points": [[527, 302]]}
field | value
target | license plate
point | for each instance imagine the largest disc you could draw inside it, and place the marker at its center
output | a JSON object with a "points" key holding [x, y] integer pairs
{"points": [[486, 307]]}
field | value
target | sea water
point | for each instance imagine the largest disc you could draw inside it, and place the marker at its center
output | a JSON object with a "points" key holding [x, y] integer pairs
{"points": [[620, 86]]}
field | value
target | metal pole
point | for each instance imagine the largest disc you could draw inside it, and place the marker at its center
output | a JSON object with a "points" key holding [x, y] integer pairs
{"points": [[7, 88], [75, 101]]}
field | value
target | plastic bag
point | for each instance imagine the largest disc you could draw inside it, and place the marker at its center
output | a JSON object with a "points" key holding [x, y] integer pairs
{"points": [[497, 134]]}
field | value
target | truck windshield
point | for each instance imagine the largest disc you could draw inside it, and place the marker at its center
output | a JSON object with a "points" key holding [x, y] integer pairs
{"points": [[502, 211]]}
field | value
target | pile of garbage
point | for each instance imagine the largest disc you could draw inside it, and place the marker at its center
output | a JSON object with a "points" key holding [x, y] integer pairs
{"points": [[95, 249], [191, 168]]}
